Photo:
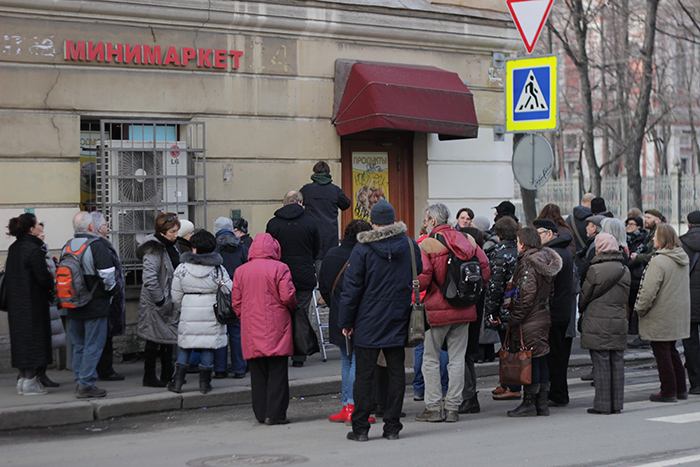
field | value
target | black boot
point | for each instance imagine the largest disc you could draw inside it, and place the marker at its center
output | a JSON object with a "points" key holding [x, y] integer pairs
{"points": [[166, 363], [44, 379], [179, 378], [470, 405], [541, 400], [205, 378], [527, 408], [149, 368]]}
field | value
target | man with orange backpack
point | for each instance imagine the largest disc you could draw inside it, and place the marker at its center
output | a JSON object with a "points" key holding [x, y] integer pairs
{"points": [[85, 281]]}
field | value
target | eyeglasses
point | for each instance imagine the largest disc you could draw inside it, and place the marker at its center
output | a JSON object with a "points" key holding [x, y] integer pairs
{"points": [[631, 223], [541, 231], [171, 218]]}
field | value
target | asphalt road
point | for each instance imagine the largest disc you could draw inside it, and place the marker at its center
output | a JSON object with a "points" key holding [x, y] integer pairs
{"points": [[229, 436]]}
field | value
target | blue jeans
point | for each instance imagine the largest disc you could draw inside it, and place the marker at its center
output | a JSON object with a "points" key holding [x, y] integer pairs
{"points": [[238, 364], [419, 382], [206, 357], [348, 376], [88, 337]]}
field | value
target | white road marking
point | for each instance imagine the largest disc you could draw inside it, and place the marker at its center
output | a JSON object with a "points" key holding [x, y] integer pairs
{"points": [[682, 418], [676, 461]]}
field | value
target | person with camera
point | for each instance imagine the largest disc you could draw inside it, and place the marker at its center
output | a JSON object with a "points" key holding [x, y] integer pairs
{"points": [[502, 261]]}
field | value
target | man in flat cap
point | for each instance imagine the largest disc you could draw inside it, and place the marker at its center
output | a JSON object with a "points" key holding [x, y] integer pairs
{"points": [[691, 346], [560, 311], [652, 218]]}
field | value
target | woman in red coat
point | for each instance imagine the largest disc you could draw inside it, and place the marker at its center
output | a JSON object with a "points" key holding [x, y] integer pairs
{"points": [[263, 295]]}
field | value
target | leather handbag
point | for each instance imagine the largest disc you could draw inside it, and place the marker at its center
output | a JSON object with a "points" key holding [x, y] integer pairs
{"points": [[303, 335], [515, 366], [418, 322], [223, 306], [3, 292]]}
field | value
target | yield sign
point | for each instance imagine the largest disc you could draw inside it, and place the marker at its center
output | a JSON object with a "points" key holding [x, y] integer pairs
{"points": [[529, 17]]}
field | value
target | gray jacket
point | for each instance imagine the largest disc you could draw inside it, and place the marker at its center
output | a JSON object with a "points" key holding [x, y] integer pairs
{"points": [[663, 302], [156, 323]]}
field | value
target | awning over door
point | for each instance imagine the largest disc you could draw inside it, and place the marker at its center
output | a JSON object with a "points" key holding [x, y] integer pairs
{"points": [[371, 95]]}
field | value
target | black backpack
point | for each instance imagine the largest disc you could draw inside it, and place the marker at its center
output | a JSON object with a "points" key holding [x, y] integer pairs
{"points": [[463, 282]]}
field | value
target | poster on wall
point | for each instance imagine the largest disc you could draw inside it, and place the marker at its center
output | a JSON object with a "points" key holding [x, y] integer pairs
{"points": [[370, 181], [89, 151]]}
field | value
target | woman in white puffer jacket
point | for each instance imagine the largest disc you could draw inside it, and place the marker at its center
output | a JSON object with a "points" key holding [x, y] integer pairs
{"points": [[194, 294]]}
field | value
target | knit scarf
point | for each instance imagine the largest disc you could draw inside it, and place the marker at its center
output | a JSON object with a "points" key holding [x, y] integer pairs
{"points": [[171, 249]]}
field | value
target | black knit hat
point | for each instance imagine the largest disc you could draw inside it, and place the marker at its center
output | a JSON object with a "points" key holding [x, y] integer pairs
{"points": [[241, 224], [694, 218], [598, 206]]}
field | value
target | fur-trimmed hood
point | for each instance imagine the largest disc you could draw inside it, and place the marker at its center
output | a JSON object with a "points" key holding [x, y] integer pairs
{"points": [[381, 233], [199, 266], [206, 259], [388, 242], [545, 261], [150, 245]]}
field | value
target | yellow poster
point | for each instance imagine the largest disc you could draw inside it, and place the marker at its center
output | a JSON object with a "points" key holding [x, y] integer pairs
{"points": [[370, 181], [89, 151]]}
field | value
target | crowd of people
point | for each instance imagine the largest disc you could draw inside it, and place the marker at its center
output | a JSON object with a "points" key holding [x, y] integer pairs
{"points": [[634, 277]]}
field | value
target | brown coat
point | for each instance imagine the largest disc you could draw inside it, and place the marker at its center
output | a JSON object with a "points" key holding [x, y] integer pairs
{"points": [[534, 281]]}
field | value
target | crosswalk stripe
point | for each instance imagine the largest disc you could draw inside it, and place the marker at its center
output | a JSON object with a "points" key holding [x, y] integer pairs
{"points": [[682, 418], [676, 461]]}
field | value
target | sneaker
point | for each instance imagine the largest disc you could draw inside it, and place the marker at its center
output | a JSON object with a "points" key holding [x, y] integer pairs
{"points": [[89, 392], [32, 387], [340, 417], [507, 395], [638, 343], [428, 415], [451, 416], [659, 398], [418, 397], [587, 376], [20, 383]]}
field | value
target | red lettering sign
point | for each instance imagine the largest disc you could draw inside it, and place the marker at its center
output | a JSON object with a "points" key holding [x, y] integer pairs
{"points": [[203, 58], [132, 55], [95, 52], [171, 57], [220, 58], [187, 54], [115, 51], [151, 56], [236, 55], [73, 51]]}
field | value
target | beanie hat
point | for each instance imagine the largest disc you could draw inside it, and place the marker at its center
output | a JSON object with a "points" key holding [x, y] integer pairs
{"points": [[185, 227], [694, 218], [223, 223], [548, 224], [598, 206], [241, 224], [606, 242], [655, 212], [505, 208], [482, 223], [382, 213]]}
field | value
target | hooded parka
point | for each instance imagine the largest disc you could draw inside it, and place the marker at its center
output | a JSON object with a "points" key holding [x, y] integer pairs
{"points": [[263, 295], [604, 321], [691, 245], [663, 302]]}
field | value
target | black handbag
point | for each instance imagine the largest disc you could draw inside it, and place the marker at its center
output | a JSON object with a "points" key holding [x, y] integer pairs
{"points": [[223, 306], [418, 321], [3, 293], [304, 336]]}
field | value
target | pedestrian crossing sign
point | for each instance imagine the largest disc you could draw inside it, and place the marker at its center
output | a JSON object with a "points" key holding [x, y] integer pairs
{"points": [[531, 94]]}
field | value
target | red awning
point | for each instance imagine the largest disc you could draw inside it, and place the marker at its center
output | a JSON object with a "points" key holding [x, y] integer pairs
{"points": [[372, 96]]}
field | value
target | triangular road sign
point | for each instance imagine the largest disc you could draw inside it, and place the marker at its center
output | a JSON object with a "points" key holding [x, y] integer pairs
{"points": [[531, 98], [529, 17]]}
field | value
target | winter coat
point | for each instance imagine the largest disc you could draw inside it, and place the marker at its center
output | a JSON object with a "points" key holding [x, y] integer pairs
{"points": [[502, 261], [29, 288], [183, 245], [333, 263], [434, 256], [691, 245], [604, 320], [233, 252], [299, 240], [534, 281], [246, 240], [322, 203], [663, 302], [117, 312], [584, 257], [649, 250], [577, 223], [636, 242], [58, 332], [194, 294], [263, 295], [562, 299], [100, 277], [156, 323], [377, 288]]}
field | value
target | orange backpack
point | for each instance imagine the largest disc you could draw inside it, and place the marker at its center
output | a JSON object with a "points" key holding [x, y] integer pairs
{"points": [[71, 288]]}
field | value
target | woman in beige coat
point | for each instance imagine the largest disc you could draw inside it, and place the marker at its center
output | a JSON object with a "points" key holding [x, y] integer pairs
{"points": [[663, 306]]}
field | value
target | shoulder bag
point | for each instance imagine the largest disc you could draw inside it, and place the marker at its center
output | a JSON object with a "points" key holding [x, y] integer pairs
{"points": [[418, 322], [303, 335], [223, 306], [515, 366]]}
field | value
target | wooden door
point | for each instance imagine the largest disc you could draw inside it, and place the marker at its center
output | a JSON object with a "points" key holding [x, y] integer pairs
{"points": [[378, 165]]}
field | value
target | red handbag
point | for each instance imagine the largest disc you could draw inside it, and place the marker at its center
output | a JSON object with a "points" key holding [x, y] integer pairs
{"points": [[515, 366]]}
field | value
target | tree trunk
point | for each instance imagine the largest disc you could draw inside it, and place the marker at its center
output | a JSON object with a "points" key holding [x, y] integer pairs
{"points": [[639, 121]]}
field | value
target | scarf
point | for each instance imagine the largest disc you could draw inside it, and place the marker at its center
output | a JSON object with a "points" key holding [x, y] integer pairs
{"points": [[322, 178], [171, 249]]}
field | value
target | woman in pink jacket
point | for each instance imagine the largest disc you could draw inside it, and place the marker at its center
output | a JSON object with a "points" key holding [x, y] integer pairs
{"points": [[263, 295]]}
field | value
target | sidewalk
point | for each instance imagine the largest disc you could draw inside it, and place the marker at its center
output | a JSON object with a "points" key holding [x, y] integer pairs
{"points": [[128, 397]]}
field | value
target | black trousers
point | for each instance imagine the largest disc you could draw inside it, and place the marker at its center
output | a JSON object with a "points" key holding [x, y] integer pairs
{"points": [[104, 366], [269, 384], [365, 368], [558, 362], [691, 349]]}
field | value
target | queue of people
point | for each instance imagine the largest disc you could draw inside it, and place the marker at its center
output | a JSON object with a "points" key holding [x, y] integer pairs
{"points": [[632, 277]]}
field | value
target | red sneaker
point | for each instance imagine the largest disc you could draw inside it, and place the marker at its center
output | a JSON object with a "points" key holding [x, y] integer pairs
{"points": [[341, 416], [350, 409]]}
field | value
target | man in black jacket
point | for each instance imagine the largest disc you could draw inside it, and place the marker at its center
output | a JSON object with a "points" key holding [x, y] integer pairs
{"points": [[88, 324], [577, 220], [322, 199], [560, 310], [691, 346], [299, 241]]}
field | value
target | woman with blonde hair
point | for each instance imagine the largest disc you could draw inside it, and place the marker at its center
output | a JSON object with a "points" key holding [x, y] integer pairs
{"points": [[663, 306]]}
